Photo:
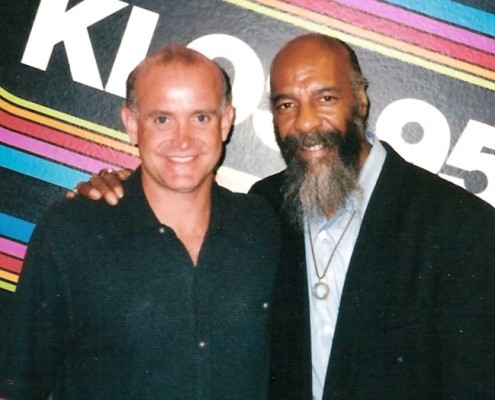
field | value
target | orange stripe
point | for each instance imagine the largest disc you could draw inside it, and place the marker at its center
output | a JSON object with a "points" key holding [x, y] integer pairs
{"points": [[8, 276]]}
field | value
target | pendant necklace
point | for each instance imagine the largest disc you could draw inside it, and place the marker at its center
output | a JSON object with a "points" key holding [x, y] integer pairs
{"points": [[320, 289]]}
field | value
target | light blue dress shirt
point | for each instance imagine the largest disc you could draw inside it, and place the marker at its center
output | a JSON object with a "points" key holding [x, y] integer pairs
{"points": [[325, 234]]}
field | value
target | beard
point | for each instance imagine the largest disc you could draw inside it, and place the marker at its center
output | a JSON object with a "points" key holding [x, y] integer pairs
{"points": [[312, 188]]}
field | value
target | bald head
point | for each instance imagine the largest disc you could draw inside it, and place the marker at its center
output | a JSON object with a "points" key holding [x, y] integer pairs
{"points": [[313, 46], [179, 55]]}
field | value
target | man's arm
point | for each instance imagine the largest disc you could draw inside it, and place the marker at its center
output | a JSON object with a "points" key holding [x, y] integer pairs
{"points": [[107, 185]]}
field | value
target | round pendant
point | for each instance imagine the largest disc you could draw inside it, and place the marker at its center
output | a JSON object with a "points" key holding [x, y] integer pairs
{"points": [[321, 290]]}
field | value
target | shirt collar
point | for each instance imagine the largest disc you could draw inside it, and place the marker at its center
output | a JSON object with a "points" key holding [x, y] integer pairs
{"points": [[137, 215], [371, 171]]}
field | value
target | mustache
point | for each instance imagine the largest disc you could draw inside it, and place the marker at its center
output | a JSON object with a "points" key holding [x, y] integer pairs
{"points": [[328, 139], [299, 141]]}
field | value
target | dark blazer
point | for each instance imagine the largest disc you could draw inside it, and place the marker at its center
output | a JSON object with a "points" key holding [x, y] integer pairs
{"points": [[417, 314]]}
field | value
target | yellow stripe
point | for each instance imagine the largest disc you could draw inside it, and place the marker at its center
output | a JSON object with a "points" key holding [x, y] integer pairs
{"points": [[9, 276], [7, 286]]}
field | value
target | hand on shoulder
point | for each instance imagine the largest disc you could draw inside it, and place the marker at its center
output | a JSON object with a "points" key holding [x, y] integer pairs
{"points": [[105, 185]]}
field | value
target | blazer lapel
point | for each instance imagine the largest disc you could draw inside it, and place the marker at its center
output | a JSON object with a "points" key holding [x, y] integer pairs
{"points": [[367, 286]]}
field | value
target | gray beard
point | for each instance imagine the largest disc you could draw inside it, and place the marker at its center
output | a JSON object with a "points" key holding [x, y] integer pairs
{"points": [[310, 194]]}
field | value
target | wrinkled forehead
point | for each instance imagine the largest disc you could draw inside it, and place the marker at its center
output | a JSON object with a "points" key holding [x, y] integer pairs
{"points": [[197, 76], [171, 68], [307, 60]]}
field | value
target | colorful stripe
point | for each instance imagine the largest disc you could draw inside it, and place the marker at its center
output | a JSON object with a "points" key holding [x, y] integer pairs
{"points": [[65, 140], [66, 153], [66, 131], [12, 251], [7, 286], [12, 248], [39, 168], [398, 31], [51, 152], [453, 12], [14, 228], [422, 23], [442, 54], [10, 264], [56, 119]]}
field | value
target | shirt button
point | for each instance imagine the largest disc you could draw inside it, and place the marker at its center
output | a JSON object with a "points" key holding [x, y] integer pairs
{"points": [[265, 306], [161, 230], [202, 344]]}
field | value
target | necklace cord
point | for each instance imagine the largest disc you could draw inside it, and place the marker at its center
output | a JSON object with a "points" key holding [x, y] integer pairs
{"points": [[333, 251]]}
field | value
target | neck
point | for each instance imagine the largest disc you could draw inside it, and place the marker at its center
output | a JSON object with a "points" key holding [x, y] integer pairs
{"points": [[188, 214], [365, 152]]}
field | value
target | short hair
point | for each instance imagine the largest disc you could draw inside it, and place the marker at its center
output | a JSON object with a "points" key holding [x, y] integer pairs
{"points": [[358, 80], [176, 53]]}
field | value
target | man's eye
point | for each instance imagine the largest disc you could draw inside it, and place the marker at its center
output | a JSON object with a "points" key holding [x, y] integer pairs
{"points": [[328, 98], [161, 119], [284, 106], [201, 118]]}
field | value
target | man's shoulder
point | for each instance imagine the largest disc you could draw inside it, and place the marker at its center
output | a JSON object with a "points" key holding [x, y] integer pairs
{"points": [[270, 188], [79, 214], [269, 184], [240, 201], [243, 209], [420, 188]]}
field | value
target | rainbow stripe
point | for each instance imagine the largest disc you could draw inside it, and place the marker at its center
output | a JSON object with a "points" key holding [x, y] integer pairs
{"points": [[53, 147], [14, 234], [53, 144], [442, 36]]}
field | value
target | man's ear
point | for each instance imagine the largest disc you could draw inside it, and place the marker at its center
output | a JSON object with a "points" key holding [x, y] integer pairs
{"points": [[363, 102], [228, 117], [129, 119]]}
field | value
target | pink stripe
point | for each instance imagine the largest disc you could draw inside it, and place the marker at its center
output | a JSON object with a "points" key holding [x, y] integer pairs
{"points": [[416, 21], [12, 248], [52, 152], [65, 140]]}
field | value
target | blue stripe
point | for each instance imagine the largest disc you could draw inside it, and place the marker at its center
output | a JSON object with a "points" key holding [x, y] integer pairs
{"points": [[15, 228], [453, 12], [39, 168]]}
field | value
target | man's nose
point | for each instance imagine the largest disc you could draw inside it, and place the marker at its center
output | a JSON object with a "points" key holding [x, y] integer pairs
{"points": [[183, 136], [308, 119]]}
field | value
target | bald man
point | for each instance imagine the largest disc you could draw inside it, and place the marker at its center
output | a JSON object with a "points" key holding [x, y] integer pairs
{"points": [[168, 295]]}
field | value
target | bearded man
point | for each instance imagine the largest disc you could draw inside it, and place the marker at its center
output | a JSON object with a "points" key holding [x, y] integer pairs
{"points": [[386, 290]]}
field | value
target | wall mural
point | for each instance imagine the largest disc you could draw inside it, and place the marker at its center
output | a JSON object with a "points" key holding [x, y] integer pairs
{"points": [[431, 67]]}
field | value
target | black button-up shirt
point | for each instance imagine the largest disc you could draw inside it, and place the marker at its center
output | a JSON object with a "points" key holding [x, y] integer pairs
{"points": [[110, 305]]}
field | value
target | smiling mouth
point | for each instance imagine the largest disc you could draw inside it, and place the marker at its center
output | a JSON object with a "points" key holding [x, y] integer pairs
{"points": [[314, 147], [181, 160]]}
